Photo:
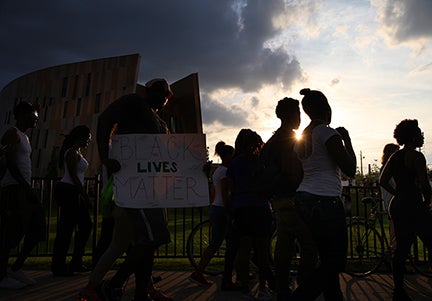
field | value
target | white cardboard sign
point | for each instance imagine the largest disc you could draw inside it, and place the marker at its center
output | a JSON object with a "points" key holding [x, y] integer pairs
{"points": [[160, 170]]}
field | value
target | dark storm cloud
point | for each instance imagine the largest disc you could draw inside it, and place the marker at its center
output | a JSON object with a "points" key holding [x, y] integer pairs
{"points": [[254, 102], [174, 38], [408, 20], [216, 111]]}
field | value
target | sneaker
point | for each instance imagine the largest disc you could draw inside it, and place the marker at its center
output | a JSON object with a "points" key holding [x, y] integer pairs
{"points": [[11, 283], [111, 293], [249, 296], [199, 279], [88, 293], [157, 295], [20, 276], [264, 294]]}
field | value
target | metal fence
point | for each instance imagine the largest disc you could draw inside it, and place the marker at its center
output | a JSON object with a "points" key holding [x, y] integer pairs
{"points": [[181, 220]]}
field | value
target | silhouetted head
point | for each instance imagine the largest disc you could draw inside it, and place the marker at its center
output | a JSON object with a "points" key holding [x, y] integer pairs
{"points": [[79, 136], [315, 105], [158, 93], [224, 151], [288, 111], [389, 149], [407, 132], [248, 143], [27, 114]]}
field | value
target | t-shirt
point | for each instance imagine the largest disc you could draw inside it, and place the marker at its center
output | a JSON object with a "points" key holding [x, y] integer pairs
{"points": [[321, 175], [243, 172], [282, 171], [218, 175]]}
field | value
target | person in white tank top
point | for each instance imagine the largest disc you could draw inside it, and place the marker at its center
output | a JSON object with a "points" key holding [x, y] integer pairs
{"points": [[220, 220], [324, 153], [73, 203], [21, 212]]}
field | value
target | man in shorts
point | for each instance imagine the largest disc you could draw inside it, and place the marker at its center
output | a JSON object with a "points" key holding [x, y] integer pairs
{"points": [[136, 114]]}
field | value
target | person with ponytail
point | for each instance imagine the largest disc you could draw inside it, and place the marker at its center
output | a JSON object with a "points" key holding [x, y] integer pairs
{"points": [[252, 214], [324, 152], [73, 204], [220, 219]]}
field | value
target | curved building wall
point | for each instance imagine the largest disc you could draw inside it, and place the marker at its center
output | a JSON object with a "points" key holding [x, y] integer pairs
{"points": [[69, 95]]}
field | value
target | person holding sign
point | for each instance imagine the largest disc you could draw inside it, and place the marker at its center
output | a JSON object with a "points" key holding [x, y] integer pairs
{"points": [[136, 114]]}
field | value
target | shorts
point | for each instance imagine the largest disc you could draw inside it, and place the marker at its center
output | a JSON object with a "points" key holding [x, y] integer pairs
{"points": [[21, 214], [150, 226]]}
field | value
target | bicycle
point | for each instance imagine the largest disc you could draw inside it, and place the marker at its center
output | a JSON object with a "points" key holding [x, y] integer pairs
{"points": [[369, 246], [199, 239]]}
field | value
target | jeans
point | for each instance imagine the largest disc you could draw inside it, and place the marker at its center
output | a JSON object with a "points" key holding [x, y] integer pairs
{"points": [[410, 219], [325, 217], [219, 220], [290, 226], [253, 225], [72, 213]]}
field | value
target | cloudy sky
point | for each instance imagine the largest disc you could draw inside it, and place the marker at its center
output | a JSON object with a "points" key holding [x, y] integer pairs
{"points": [[372, 58]]}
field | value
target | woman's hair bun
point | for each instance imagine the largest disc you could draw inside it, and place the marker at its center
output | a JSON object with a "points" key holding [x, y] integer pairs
{"points": [[305, 91]]}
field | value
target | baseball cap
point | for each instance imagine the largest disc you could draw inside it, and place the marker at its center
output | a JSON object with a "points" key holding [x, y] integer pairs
{"points": [[160, 84]]}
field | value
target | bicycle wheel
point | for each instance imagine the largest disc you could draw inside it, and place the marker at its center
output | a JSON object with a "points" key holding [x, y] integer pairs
{"points": [[197, 242], [421, 261], [366, 249]]}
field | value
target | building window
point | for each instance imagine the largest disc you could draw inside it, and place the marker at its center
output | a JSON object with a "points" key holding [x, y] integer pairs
{"points": [[46, 138], [45, 113], [78, 107], [37, 138], [74, 92], [65, 109], [38, 159], [88, 85], [97, 103], [64, 87]]}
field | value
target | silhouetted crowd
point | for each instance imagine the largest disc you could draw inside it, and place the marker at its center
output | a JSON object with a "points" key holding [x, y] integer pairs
{"points": [[295, 183]]}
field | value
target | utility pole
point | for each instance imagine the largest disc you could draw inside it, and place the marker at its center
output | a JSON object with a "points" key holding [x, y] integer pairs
{"points": [[361, 163]]}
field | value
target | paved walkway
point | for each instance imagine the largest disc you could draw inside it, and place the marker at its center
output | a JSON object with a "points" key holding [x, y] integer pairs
{"points": [[49, 288]]}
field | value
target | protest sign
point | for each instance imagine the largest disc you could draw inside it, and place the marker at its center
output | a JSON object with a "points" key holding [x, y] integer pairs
{"points": [[160, 170]]}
